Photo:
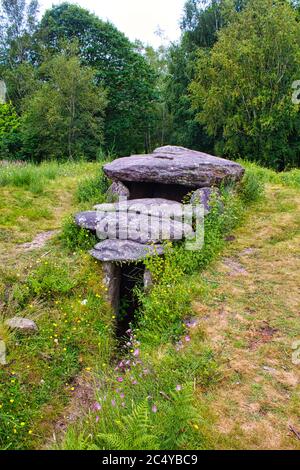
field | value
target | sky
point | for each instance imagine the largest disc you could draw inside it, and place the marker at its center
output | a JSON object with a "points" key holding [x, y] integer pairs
{"points": [[138, 19]]}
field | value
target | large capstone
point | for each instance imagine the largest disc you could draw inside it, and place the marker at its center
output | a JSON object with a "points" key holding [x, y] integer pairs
{"points": [[174, 166]]}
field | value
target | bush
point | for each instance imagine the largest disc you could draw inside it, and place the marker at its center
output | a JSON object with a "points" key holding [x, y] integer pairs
{"points": [[51, 279], [92, 190], [76, 238], [251, 188], [10, 136]]}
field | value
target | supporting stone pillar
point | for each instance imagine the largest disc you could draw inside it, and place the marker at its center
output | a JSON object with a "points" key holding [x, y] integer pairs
{"points": [[112, 280], [148, 280]]}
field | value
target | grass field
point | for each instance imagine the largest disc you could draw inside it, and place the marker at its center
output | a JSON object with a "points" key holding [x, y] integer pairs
{"points": [[211, 352]]}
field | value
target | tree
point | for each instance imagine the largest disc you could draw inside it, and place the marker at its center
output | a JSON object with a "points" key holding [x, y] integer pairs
{"points": [[18, 22], [242, 91], [200, 24], [124, 72], [10, 138], [64, 118]]}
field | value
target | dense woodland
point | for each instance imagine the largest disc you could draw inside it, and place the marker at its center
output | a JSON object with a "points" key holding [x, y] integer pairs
{"points": [[78, 88]]}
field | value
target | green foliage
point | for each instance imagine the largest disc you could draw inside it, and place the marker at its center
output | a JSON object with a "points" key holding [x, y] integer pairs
{"points": [[51, 279], [35, 178], [64, 117], [266, 175], [18, 25], [134, 432], [242, 90], [251, 189], [76, 238], [10, 139], [124, 72], [93, 190]]}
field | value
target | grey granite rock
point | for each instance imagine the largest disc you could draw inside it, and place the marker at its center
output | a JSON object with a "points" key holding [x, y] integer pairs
{"points": [[117, 190], [203, 196], [175, 165], [124, 251], [22, 325], [135, 227], [149, 206]]}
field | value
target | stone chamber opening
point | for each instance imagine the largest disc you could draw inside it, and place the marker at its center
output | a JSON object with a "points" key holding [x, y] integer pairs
{"points": [[173, 192], [131, 278]]}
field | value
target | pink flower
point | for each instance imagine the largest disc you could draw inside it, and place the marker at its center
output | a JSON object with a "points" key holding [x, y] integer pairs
{"points": [[122, 395], [136, 353], [113, 403], [97, 419], [120, 379], [154, 409], [178, 388], [188, 339], [97, 406], [134, 382]]}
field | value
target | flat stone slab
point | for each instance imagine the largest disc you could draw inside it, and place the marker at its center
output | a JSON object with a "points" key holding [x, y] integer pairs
{"points": [[175, 165], [148, 206], [124, 251], [135, 227]]}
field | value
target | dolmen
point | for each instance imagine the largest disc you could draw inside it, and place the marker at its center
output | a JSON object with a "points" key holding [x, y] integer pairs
{"points": [[146, 207]]}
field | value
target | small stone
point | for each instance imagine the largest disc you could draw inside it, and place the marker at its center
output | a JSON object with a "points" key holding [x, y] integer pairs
{"points": [[117, 190], [22, 325], [203, 196]]}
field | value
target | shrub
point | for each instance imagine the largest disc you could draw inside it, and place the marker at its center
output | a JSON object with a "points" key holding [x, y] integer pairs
{"points": [[251, 188], [10, 137], [92, 190], [51, 279], [76, 238]]}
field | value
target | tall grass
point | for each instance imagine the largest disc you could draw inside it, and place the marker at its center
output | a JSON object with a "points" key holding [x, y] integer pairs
{"points": [[287, 178], [36, 177]]}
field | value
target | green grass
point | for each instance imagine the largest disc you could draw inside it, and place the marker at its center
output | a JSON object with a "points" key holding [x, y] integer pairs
{"points": [[47, 285], [156, 393]]}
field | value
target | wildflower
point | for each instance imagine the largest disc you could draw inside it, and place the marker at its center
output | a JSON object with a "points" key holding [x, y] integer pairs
{"points": [[22, 424], [113, 403], [84, 302], [154, 409], [196, 427], [120, 379], [97, 419], [97, 406], [136, 353], [11, 400], [187, 339], [178, 388], [122, 395], [30, 431]]}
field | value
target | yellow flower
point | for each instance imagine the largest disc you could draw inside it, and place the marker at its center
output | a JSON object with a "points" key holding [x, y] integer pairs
{"points": [[196, 427], [11, 400], [30, 431], [22, 424]]}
